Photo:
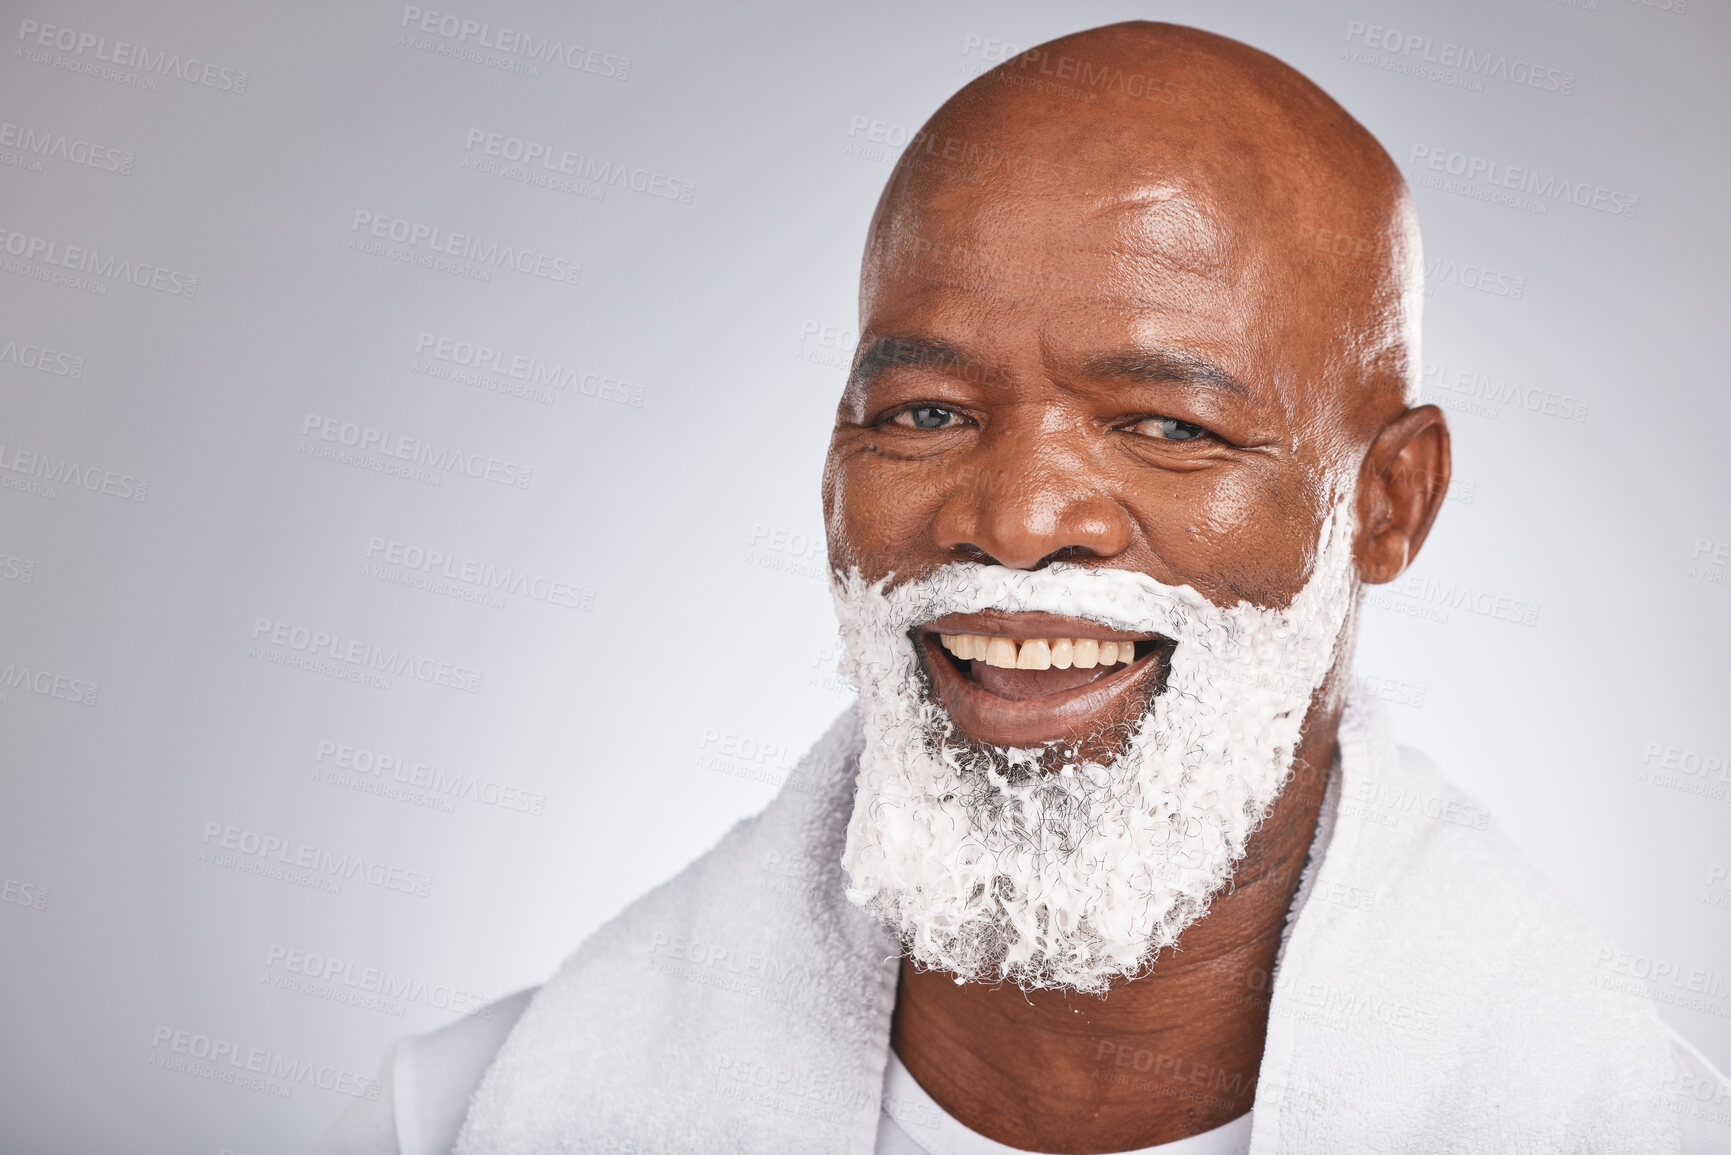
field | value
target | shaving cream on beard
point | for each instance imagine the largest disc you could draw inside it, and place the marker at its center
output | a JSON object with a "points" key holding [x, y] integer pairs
{"points": [[990, 868]]}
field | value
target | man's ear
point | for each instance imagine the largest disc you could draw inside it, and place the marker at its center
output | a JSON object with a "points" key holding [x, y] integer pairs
{"points": [[1401, 486]]}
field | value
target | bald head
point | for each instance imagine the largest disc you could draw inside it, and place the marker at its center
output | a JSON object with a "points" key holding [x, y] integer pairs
{"points": [[1177, 157]]}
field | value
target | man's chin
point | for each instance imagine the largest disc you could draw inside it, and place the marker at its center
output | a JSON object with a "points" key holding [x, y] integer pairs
{"points": [[1007, 707]]}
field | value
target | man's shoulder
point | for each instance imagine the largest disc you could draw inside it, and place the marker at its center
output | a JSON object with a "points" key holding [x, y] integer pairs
{"points": [[1432, 965], [438, 1072], [1424, 861], [1413, 847], [1451, 864], [748, 970], [679, 928], [1524, 986], [425, 1084]]}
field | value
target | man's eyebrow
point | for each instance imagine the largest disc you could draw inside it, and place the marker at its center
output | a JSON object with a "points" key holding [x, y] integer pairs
{"points": [[1167, 366], [897, 350]]}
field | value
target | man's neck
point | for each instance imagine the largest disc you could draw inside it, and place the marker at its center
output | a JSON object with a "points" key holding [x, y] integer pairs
{"points": [[1169, 1055]]}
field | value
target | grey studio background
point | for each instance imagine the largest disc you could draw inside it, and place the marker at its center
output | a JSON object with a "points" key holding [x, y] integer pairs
{"points": [[410, 551]]}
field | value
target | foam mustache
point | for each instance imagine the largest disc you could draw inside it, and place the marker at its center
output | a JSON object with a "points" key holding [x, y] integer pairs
{"points": [[1069, 879]]}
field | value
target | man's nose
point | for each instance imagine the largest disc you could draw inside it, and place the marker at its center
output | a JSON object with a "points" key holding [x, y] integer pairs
{"points": [[1027, 509]]}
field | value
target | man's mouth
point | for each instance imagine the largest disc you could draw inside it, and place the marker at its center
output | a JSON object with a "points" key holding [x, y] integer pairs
{"points": [[1025, 679]]}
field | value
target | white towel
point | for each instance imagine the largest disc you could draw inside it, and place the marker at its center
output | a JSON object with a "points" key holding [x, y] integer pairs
{"points": [[1435, 995], [743, 1006]]}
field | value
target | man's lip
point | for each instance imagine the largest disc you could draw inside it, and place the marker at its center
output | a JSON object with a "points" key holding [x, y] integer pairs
{"points": [[1068, 715], [1003, 624]]}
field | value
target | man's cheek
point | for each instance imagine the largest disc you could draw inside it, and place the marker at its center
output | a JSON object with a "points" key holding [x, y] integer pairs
{"points": [[1236, 539], [883, 514]]}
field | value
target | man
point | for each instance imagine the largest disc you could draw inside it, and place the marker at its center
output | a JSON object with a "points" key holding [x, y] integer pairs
{"points": [[1107, 858]]}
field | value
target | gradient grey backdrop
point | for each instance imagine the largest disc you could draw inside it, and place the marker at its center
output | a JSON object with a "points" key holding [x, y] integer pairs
{"points": [[631, 640]]}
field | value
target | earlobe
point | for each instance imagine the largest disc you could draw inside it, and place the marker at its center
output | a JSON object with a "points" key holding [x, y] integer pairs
{"points": [[1402, 484], [1383, 555]]}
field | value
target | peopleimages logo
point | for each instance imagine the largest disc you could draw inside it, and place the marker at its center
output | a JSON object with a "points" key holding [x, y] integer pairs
{"points": [[92, 49], [290, 860], [255, 1068], [32, 896], [42, 359], [361, 657], [364, 769], [513, 42], [1528, 189], [536, 373], [47, 684], [16, 569], [47, 473], [483, 576], [1663, 980], [40, 144], [1474, 277], [1479, 386], [1473, 63], [577, 165], [430, 241], [1462, 596], [394, 447], [343, 981], [79, 259]]}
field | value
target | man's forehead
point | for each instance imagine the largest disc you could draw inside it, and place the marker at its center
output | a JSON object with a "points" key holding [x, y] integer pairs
{"points": [[1130, 246], [1137, 284]]}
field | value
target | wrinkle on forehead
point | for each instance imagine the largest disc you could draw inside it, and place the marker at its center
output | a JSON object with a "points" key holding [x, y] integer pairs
{"points": [[1167, 228], [1126, 249]]}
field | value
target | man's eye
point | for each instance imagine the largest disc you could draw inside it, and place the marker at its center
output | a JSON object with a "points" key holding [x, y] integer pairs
{"points": [[925, 417], [1167, 429]]}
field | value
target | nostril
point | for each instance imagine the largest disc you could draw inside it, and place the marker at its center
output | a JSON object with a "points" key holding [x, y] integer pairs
{"points": [[972, 552], [1068, 553]]}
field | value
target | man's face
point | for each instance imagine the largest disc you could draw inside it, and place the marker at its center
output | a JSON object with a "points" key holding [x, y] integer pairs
{"points": [[1119, 379], [1114, 453]]}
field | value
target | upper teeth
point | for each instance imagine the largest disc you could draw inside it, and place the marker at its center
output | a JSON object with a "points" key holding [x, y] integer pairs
{"points": [[1038, 653]]}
